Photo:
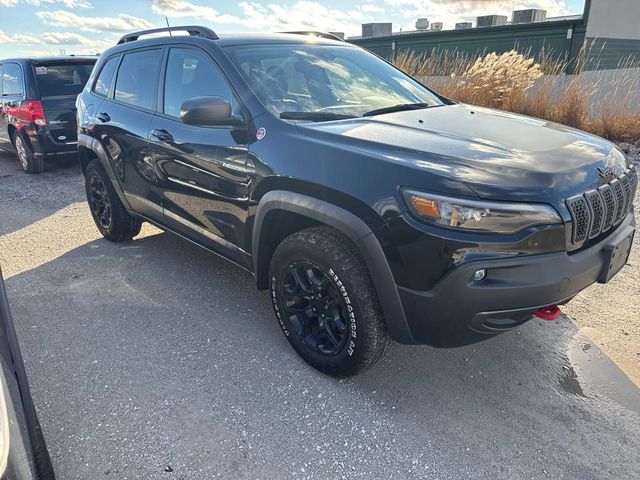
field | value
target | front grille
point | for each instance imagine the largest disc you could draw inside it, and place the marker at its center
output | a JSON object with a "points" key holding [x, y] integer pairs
{"points": [[610, 205], [619, 193], [597, 211], [581, 218]]}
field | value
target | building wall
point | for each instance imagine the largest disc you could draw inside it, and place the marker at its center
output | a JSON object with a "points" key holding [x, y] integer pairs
{"points": [[551, 37], [613, 34], [618, 19]]}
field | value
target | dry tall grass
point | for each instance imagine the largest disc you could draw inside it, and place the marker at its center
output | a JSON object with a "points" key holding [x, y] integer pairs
{"points": [[516, 82]]}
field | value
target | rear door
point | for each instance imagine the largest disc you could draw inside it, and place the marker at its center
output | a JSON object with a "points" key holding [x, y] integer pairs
{"points": [[12, 99], [59, 83], [122, 126], [203, 169], [4, 137]]}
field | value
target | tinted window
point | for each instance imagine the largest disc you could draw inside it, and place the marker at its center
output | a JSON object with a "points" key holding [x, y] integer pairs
{"points": [[106, 76], [191, 74], [12, 80], [67, 79], [137, 77], [321, 78]]}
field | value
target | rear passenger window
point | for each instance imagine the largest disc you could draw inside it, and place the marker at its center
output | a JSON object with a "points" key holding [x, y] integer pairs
{"points": [[66, 79], [12, 80], [106, 76], [190, 74], [137, 78]]}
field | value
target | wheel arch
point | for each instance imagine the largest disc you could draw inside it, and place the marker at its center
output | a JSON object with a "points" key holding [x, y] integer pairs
{"points": [[305, 211], [91, 149], [11, 129]]}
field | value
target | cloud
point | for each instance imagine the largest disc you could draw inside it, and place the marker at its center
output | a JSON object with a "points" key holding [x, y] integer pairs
{"points": [[302, 15], [38, 3], [182, 8], [39, 53], [121, 23], [369, 8], [65, 38], [18, 38], [65, 3], [72, 38]]}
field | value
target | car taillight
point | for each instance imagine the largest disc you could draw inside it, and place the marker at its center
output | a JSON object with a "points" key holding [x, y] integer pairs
{"points": [[36, 113]]}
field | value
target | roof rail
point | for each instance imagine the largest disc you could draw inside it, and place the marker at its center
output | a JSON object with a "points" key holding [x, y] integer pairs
{"points": [[193, 30], [313, 33]]}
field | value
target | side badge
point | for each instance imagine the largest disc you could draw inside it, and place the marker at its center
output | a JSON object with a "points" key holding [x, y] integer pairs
{"points": [[261, 133]]}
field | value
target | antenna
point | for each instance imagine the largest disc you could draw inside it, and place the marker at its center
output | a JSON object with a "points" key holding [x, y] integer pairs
{"points": [[166, 19]]}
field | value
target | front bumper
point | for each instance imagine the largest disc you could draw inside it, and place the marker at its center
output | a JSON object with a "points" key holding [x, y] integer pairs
{"points": [[459, 311]]}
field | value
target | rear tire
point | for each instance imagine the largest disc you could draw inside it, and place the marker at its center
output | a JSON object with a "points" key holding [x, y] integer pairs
{"points": [[28, 161], [108, 212], [325, 302]]}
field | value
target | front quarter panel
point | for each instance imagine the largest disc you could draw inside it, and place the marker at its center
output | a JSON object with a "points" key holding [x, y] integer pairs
{"points": [[359, 178]]}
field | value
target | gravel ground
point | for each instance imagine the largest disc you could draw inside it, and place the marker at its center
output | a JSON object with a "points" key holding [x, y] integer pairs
{"points": [[156, 360]]}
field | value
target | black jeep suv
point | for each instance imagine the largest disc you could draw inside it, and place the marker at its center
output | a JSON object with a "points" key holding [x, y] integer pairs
{"points": [[369, 205], [37, 106]]}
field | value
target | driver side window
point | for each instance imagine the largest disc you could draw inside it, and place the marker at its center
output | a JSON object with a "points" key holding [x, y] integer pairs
{"points": [[190, 74]]}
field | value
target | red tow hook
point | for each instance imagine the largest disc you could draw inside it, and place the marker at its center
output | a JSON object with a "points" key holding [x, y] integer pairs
{"points": [[548, 313]]}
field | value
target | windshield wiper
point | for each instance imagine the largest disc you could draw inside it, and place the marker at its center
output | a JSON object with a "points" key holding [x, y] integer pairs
{"points": [[397, 108], [315, 116]]}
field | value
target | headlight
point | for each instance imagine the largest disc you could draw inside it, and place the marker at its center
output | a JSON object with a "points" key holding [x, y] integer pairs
{"points": [[479, 216]]}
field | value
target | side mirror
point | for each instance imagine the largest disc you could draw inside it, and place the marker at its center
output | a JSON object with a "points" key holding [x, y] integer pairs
{"points": [[208, 112]]}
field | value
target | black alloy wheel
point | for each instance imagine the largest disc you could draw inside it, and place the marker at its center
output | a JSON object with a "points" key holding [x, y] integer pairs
{"points": [[99, 201], [316, 308], [111, 217]]}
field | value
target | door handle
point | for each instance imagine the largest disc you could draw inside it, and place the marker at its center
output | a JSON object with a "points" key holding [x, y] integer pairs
{"points": [[162, 135], [103, 117]]}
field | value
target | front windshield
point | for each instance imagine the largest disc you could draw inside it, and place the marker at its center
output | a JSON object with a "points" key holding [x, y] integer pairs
{"points": [[328, 81]]}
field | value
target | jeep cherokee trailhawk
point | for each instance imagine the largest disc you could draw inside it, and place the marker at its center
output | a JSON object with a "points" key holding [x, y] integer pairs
{"points": [[369, 205]]}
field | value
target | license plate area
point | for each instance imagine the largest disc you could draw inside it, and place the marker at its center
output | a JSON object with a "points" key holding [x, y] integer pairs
{"points": [[616, 255]]}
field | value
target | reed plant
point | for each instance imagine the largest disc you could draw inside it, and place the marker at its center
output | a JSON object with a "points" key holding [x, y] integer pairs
{"points": [[603, 103]]}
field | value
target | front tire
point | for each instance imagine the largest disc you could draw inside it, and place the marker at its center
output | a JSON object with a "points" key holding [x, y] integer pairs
{"points": [[325, 302], [108, 212], [28, 161]]}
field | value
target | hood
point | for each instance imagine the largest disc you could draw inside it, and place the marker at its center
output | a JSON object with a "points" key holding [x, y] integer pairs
{"points": [[498, 155]]}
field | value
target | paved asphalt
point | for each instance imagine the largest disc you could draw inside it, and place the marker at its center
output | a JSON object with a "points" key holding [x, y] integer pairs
{"points": [[156, 360]]}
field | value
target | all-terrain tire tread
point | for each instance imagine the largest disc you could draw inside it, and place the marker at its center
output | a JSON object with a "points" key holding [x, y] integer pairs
{"points": [[342, 255], [123, 226]]}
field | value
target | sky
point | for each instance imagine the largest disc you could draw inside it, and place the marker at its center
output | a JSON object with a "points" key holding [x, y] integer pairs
{"points": [[44, 27]]}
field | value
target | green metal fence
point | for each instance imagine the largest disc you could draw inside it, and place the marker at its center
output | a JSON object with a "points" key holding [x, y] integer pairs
{"points": [[562, 40]]}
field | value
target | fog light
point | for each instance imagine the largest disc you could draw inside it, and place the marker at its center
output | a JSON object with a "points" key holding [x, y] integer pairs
{"points": [[479, 275]]}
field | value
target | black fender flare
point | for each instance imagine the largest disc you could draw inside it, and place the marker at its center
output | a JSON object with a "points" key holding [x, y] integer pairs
{"points": [[358, 232], [90, 143]]}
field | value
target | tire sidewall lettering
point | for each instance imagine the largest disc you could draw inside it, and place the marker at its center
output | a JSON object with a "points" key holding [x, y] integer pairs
{"points": [[353, 327], [274, 298]]}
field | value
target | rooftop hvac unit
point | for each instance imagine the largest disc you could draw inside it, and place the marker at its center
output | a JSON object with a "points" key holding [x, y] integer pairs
{"points": [[491, 20], [422, 24], [463, 25], [529, 16]]}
